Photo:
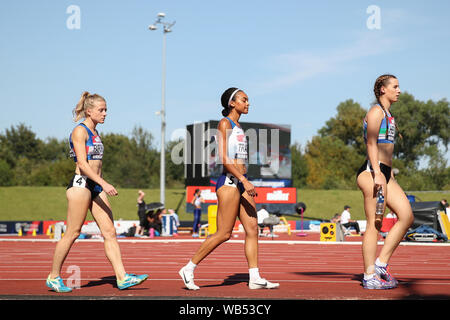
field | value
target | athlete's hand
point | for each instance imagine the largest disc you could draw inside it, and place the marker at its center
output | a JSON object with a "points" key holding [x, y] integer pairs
{"points": [[249, 188], [380, 182], [110, 190]]}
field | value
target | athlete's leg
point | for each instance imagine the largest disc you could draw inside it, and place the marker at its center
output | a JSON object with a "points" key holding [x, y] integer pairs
{"points": [[370, 239], [197, 218], [227, 210], [78, 200], [249, 220], [397, 201], [101, 211]]}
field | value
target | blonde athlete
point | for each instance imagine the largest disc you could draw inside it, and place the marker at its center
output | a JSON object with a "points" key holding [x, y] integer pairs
{"points": [[88, 190]]}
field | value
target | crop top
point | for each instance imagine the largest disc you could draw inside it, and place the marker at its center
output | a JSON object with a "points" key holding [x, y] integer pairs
{"points": [[94, 146], [387, 131], [197, 201], [237, 143]]}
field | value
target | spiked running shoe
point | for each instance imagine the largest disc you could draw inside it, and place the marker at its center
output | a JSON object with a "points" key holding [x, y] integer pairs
{"points": [[57, 285], [376, 283], [188, 279], [131, 280], [383, 273], [262, 283]]}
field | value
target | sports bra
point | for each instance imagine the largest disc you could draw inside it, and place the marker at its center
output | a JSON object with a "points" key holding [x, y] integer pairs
{"points": [[94, 146], [237, 142], [387, 129]]}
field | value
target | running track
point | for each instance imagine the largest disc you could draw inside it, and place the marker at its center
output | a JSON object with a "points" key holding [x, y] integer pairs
{"points": [[306, 270]]}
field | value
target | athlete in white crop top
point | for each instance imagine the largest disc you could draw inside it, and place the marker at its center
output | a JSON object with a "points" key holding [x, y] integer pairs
{"points": [[234, 193], [237, 142]]}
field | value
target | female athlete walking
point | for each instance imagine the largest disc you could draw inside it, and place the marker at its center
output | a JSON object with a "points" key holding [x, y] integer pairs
{"points": [[234, 193], [379, 133], [88, 190]]}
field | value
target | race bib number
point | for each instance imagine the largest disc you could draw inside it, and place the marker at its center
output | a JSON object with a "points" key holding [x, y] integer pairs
{"points": [[79, 181], [241, 152], [231, 181], [391, 131]]}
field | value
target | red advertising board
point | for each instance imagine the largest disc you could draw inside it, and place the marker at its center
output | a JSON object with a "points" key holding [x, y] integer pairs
{"points": [[265, 195]]}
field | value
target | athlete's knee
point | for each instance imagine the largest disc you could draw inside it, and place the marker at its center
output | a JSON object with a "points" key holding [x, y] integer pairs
{"points": [[407, 219], [224, 236], [73, 234], [252, 231], [109, 234]]}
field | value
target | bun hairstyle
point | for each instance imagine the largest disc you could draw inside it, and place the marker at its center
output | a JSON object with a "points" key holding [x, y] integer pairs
{"points": [[87, 101], [228, 96]]}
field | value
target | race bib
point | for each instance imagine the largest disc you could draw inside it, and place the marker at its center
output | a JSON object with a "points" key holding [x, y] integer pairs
{"points": [[79, 181], [231, 181], [391, 131]]}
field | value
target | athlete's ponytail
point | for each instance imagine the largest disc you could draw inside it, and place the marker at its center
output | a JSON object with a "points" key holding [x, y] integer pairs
{"points": [[87, 101]]}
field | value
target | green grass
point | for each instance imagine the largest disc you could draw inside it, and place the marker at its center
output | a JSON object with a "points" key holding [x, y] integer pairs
{"points": [[45, 203]]}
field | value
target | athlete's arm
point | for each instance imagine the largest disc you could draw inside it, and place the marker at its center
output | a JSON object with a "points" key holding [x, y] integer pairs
{"points": [[79, 137], [374, 118]]}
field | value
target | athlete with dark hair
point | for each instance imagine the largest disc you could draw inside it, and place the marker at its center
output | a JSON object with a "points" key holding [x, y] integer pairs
{"points": [[234, 193]]}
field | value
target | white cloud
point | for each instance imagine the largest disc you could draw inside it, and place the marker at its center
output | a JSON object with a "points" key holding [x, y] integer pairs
{"points": [[290, 69]]}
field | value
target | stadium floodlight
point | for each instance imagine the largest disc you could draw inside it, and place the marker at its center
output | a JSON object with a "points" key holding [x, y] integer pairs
{"points": [[166, 29]]}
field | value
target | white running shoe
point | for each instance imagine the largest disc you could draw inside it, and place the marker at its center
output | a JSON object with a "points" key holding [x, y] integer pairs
{"points": [[188, 279], [262, 283]]}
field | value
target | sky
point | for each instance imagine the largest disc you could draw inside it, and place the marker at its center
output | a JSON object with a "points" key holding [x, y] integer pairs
{"points": [[296, 60]]}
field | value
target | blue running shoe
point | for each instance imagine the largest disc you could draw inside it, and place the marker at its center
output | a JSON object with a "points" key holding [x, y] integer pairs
{"points": [[131, 280], [376, 283], [57, 285], [383, 273]]}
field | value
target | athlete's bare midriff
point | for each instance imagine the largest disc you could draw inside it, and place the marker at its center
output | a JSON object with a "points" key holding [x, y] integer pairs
{"points": [[96, 166], [385, 152], [240, 166]]}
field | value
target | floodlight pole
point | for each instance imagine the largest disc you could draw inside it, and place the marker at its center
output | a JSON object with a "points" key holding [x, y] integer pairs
{"points": [[166, 29]]}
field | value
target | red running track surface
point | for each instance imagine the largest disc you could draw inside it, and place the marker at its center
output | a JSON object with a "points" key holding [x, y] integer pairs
{"points": [[307, 270]]}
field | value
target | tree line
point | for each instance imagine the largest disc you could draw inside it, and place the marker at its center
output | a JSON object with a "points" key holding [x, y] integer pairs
{"points": [[328, 161], [132, 162], [333, 156]]}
